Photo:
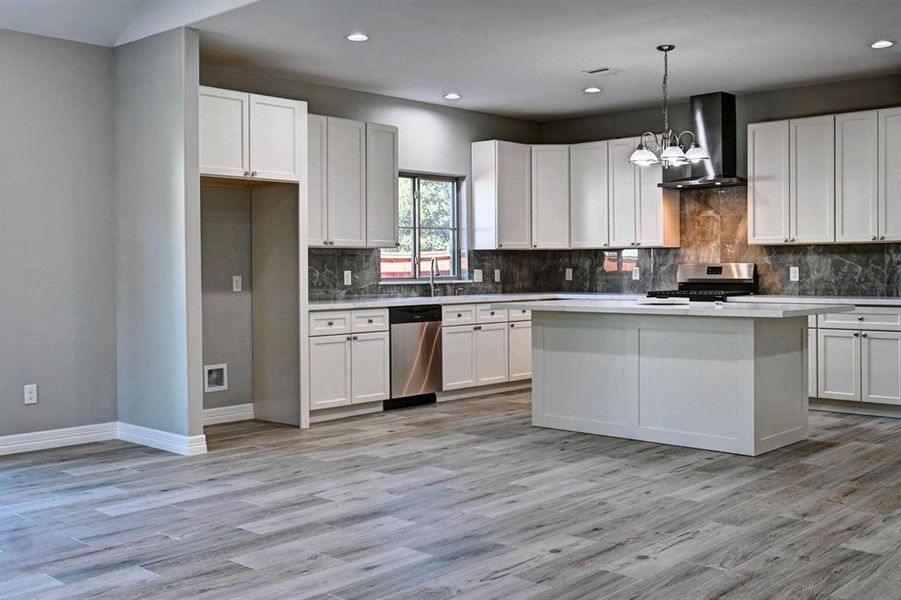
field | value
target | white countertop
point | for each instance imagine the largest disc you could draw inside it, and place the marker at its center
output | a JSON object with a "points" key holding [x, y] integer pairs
{"points": [[388, 302], [695, 309], [857, 300]]}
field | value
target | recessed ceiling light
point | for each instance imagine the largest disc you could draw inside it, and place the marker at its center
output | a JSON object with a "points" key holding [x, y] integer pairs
{"points": [[452, 96], [357, 36], [879, 44], [592, 90]]}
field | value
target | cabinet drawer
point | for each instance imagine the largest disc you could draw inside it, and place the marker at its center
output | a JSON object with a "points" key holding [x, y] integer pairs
{"points": [[330, 323], [458, 314], [519, 314], [486, 314], [864, 318], [362, 321]]}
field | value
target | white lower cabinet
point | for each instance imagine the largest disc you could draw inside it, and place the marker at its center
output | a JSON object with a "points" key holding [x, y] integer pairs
{"points": [[458, 357], [812, 362], [329, 371], [880, 367], [349, 369], [491, 353], [838, 364], [519, 344]]}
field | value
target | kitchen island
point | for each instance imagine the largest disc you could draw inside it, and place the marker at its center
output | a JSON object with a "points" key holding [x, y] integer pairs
{"points": [[730, 377]]}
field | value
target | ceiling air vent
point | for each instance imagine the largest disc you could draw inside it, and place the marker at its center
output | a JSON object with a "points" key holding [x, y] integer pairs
{"points": [[597, 70]]}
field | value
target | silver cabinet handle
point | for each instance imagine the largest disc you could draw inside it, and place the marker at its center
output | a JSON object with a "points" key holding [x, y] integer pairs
{"points": [[860, 317]]}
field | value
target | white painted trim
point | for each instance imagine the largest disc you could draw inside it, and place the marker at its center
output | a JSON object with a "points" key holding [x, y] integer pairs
{"points": [[856, 408], [57, 438], [484, 390], [343, 412], [163, 440], [228, 414]]}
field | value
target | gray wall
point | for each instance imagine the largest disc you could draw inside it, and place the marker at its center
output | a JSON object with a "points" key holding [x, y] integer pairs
{"points": [[227, 315], [158, 300], [57, 312], [841, 96]]}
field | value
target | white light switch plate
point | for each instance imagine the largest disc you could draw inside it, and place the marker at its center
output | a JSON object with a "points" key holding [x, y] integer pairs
{"points": [[31, 393], [636, 274], [497, 276], [237, 283], [347, 279], [794, 274], [477, 275], [569, 274]]}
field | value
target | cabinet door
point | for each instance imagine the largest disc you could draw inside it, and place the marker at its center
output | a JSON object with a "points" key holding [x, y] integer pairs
{"points": [[588, 195], [520, 348], [550, 196], [651, 218], [346, 182], [768, 188], [491, 353], [381, 186], [890, 174], [223, 122], [317, 176], [838, 364], [812, 179], [514, 192], [623, 186], [856, 163], [812, 362], [330, 371], [274, 147], [458, 365], [370, 368], [881, 367]]}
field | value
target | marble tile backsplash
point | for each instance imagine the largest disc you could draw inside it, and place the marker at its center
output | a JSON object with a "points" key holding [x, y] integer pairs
{"points": [[713, 229]]}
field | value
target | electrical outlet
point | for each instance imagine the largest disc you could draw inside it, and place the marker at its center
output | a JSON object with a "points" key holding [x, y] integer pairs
{"points": [[636, 274], [31, 393], [477, 275], [497, 276], [794, 274], [237, 283], [347, 278], [569, 274]]}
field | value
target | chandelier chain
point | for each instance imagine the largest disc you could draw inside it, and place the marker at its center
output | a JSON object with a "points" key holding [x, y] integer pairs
{"points": [[665, 94]]}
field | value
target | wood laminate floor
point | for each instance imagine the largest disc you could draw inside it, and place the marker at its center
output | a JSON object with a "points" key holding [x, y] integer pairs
{"points": [[458, 500]]}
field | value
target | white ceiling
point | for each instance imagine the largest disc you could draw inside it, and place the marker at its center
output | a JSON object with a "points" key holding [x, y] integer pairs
{"points": [[524, 58]]}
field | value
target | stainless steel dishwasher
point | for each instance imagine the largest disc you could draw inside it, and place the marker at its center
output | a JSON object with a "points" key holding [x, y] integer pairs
{"points": [[415, 350]]}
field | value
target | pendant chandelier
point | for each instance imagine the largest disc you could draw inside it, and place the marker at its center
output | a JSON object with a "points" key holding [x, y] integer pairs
{"points": [[667, 148]]}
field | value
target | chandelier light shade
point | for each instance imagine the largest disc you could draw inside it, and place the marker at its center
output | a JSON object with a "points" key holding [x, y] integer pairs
{"points": [[667, 148]]}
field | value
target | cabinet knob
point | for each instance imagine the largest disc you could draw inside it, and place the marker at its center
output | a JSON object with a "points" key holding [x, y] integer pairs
{"points": [[332, 242], [477, 327], [856, 333], [606, 244], [791, 239], [534, 245], [860, 317], [369, 320], [397, 244], [881, 237], [864, 334], [512, 325], [253, 173], [873, 238], [348, 338], [356, 338], [459, 315], [499, 245], [330, 323], [246, 173], [785, 241], [492, 313]]}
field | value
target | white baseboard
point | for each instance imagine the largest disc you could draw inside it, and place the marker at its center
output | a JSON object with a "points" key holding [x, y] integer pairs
{"points": [[856, 408], [485, 390], [342, 412], [163, 440], [57, 438], [228, 414]]}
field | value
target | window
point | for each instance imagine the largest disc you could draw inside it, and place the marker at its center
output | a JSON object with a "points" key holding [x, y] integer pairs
{"points": [[427, 220]]}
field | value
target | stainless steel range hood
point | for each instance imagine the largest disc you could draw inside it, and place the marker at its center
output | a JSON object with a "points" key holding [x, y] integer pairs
{"points": [[713, 122]]}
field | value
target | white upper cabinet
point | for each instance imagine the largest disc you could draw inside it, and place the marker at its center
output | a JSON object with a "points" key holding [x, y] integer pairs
{"points": [[768, 187], [317, 175], [856, 177], [812, 179], [623, 192], [223, 120], [890, 174], [274, 131], [381, 186], [501, 183], [249, 136], [657, 210], [346, 182], [587, 196], [550, 196]]}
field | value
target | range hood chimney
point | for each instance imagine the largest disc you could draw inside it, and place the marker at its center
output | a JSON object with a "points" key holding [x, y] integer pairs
{"points": [[713, 122]]}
